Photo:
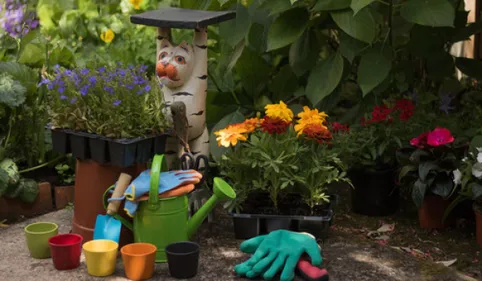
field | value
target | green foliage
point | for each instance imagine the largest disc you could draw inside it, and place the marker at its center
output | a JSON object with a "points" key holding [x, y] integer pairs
{"points": [[115, 102], [12, 93], [281, 164], [66, 172]]}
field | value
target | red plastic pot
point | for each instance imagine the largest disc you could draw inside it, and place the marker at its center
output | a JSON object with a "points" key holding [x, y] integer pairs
{"points": [[65, 250]]}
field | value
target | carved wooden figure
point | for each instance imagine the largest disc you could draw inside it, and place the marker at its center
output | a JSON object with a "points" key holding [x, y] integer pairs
{"points": [[183, 71]]}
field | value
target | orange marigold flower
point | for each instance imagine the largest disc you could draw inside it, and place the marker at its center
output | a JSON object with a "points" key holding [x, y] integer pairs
{"points": [[308, 118], [279, 111], [319, 133], [231, 135], [251, 124]]}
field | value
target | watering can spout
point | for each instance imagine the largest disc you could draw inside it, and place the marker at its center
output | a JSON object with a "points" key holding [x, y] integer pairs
{"points": [[222, 191]]}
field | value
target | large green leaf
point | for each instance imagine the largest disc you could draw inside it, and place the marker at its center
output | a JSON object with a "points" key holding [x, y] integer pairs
{"points": [[331, 5], [233, 31], [470, 67], [373, 69], [3, 181], [405, 171], [304, 52], [361, 26], [287, 28], [350, 47], [33, 55], [429, 12], [443, 186], [425, 168], [195, 4], [418, 193], [62, 56], [22, 73], [253, 70], [324, 78], [276, 6], [464, 33], [258, 37], [231, 118], [29, 189], [284, 84], [357, 5]]}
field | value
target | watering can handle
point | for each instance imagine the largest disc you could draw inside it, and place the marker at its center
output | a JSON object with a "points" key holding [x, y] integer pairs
{"points": [[158, 165]]}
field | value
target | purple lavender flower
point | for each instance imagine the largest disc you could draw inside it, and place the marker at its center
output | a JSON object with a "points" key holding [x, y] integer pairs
{"points": [[84, 90], [44, 81], [73, 100], [147, 88], [93, 80], [121, 72], [63, 97], [140, 92], [68, 72], [117, 102], [84, 71], [50, 86], [130, 87], [61, 89], [143, 68], [109, 89], [101, 69], [14, 21]]}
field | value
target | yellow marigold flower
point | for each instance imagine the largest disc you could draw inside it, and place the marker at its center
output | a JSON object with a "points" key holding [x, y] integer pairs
{"points": [[231, 135], [279, 111], [136, 3], [309, 118], [308, 113], [251, 124], [107, 36]]}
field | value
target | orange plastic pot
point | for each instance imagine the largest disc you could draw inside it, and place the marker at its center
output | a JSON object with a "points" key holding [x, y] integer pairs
{"points": [[139, 260], [431, 213]]}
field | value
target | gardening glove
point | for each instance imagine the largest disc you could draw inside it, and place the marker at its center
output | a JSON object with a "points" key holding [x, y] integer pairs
{"points": [[278, 251], [167, 181]]}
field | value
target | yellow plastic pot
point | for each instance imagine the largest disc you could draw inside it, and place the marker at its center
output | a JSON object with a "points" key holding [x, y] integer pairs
{"points": [[100, 257]]}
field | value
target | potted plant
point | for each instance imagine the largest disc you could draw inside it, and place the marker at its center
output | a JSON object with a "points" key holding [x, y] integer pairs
{"points": [[369, 148], [64, 186], [428, 171], [469, 178], [112, 114], [280, 171]]}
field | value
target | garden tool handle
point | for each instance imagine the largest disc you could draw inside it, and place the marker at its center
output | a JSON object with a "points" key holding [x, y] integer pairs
{"points": [[310, 272], [120, 187], [158, 165]]}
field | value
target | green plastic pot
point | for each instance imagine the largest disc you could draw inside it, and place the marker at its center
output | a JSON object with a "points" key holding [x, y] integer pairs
{"points": [[37, 236]]}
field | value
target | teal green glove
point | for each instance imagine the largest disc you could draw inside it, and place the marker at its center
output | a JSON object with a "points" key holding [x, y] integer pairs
{"points": [[281, 249]]}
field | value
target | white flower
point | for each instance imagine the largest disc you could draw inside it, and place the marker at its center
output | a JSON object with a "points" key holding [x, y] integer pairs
{"points": [[479, 157], [477, 170], [457, 177]]}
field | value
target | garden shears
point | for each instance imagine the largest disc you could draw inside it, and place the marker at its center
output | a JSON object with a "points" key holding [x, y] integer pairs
{"points": [[200, 164]]}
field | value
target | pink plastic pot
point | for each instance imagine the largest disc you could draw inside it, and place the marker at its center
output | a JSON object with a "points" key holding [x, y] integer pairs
{"points": [[65, 250]]}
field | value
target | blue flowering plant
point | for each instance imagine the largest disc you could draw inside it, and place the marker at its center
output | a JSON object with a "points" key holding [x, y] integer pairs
{"points": [[114, 101]]}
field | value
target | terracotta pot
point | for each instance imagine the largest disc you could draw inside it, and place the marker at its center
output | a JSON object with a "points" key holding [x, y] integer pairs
{"points": [[91, 181], [12, 209], [432, 211], [63, 195], [478, 223]]}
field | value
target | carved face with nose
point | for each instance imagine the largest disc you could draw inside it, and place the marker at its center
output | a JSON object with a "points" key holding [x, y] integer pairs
{"points": [[174, 63]]}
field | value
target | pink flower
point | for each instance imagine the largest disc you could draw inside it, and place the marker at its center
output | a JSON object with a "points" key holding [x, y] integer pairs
{"points": [[439, 136], [420, 141]]}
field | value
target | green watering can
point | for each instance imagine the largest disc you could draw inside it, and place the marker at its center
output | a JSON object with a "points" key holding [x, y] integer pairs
{"points": [[163, 221]]}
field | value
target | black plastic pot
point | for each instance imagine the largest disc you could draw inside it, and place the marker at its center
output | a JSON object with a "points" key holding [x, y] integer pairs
{"points": [[160, 144], [144, 150], [245, 226], [80, 146], [375, 192], [60, 141], [99, 150], [183, 259], [122, 154]]}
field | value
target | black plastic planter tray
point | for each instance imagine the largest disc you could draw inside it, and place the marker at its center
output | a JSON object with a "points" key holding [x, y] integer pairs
{"points": [[117, 152], [247, 226]]}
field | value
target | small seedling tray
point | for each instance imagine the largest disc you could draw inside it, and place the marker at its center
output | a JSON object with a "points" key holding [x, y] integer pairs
{"points": [[117, 152]]}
